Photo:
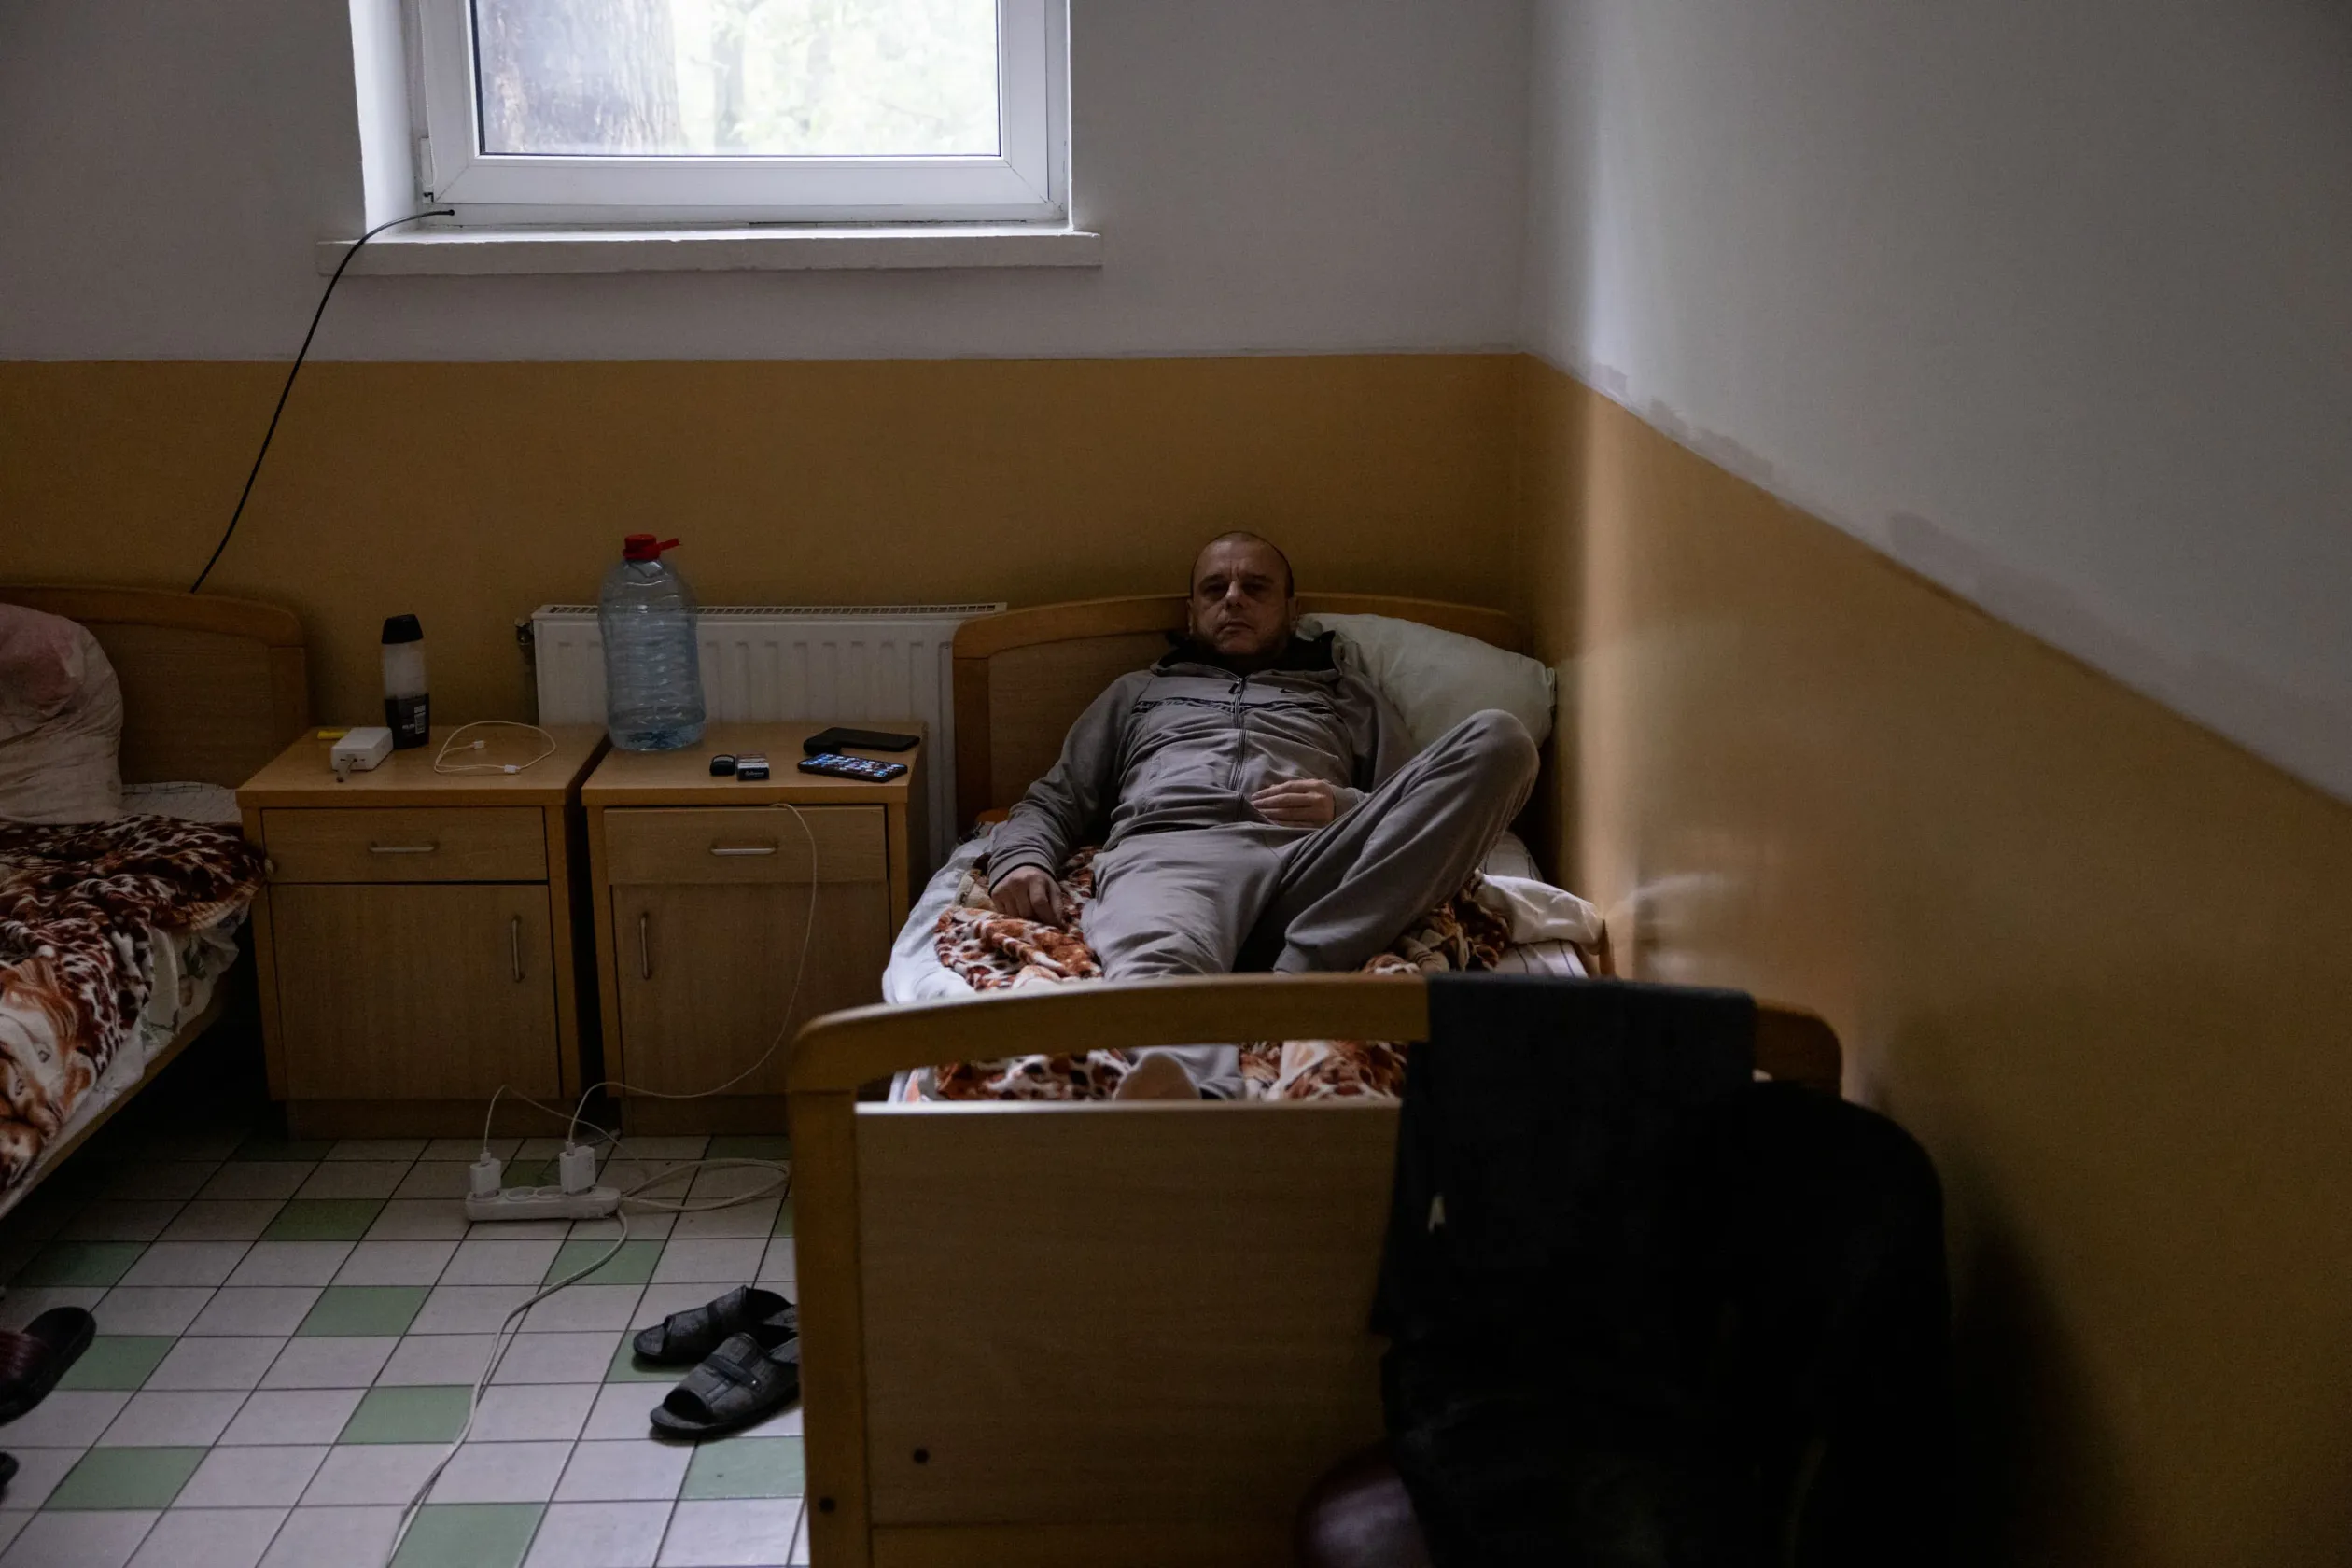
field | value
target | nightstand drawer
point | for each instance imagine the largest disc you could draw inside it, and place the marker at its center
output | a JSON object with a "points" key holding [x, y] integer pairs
{"points": [[492, 843], [745, 844]]}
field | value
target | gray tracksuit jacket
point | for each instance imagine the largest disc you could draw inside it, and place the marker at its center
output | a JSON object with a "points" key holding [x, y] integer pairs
{"points": [[1185, 743]]}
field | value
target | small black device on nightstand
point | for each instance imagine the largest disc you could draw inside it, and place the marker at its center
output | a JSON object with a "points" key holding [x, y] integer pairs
{"points": [[835, 740]]}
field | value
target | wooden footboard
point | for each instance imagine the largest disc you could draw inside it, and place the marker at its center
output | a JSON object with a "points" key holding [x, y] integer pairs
{"points": [[1097, 1334]]}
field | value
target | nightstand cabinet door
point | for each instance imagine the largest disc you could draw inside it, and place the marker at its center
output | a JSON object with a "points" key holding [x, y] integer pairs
{"points": [[418, 991], [706, 970]]}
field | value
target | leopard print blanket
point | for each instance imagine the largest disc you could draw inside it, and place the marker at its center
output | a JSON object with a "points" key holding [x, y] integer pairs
{"points": [[992, 951], [79, 905]]}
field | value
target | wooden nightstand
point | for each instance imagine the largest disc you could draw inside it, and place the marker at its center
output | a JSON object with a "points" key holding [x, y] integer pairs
{"points": [[701, 888], [416, 940]]}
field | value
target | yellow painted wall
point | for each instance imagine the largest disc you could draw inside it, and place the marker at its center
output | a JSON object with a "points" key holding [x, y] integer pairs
{"points": [[473, 493], [2099, 960]]}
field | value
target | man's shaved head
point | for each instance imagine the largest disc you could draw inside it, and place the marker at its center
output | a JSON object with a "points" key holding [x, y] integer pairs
{"points": [[1243, 535], [1241, 600]]}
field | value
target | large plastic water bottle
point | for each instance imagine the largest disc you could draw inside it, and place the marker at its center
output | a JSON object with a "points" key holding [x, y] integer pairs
{"points": [[654, 695]]}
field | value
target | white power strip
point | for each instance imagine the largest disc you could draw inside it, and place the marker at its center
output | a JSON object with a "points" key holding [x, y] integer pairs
{"points": [[542, 1203], [578, 1198]]}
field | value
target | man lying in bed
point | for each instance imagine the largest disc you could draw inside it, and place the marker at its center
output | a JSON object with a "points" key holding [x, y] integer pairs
{"points": [[1257, 806]]}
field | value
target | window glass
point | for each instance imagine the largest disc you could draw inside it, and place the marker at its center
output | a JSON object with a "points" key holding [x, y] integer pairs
{"points": [[737, 77]]}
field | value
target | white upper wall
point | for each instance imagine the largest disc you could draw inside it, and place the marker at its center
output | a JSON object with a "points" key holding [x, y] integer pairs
{"points": [[1269, 176], [2051, 303]]}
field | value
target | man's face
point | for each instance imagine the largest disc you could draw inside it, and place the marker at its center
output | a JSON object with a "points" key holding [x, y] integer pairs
{"points": [[1240, 606]]}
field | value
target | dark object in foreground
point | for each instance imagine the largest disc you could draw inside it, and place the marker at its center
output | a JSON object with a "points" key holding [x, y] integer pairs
{"points": [[33, 1358], [1659, 1316]]}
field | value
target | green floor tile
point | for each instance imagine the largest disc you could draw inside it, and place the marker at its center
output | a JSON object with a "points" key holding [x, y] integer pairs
{"points": [[365, 1310], [469, 1536], [435, 1413], [324, 1219], [750, 1147], [531, 1174], [745, 1467], [282, 1149], [628, 1368], [784, 1218], [632, 1266], [126, 1478], [117, 1360], [80, 1263]]}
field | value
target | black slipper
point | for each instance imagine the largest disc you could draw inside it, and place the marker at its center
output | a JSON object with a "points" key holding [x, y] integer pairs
{"points": [[694, 1334], [751, 1376], [33, 1358], [7, 1472]]}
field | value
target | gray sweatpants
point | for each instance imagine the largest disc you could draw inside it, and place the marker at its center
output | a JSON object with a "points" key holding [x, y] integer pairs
{"points": [[1203, 901]]}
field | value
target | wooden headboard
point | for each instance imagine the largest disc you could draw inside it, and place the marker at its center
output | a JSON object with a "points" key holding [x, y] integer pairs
{"points": [[212, 688], [1022, 678]]}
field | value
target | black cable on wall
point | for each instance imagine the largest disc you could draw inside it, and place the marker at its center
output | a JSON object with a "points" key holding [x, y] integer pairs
{"points": [[300, 355]]}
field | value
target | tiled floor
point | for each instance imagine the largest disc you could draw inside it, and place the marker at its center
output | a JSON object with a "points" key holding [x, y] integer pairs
{"points": [[286, 1337]]}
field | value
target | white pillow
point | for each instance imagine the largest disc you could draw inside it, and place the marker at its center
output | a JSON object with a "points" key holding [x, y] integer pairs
{"points": [[1437, 679], [61, 722]]}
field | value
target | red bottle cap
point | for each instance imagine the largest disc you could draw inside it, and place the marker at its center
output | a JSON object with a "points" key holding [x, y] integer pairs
{"points": [[644, 547]]}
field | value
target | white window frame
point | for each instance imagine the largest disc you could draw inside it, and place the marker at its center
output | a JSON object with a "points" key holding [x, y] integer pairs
{"points": [[1027, 182]]}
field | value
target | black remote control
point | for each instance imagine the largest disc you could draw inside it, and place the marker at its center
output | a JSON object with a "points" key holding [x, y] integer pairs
{"points": [[865, 770]]}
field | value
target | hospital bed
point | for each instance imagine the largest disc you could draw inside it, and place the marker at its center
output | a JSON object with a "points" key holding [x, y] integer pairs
{"points": [[1097, 1333]]}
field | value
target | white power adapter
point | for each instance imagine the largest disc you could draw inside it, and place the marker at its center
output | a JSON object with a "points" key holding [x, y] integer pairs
{"points": [[361, 751], [577, 1167]]}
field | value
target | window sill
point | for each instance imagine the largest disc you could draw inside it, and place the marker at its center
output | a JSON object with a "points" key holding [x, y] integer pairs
{"points": [[482, 252]]}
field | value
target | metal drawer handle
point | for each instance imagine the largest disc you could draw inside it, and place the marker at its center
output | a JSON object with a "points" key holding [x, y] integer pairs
{"points": [[514, 939], [743, 848], [645, 947], [402, 849]]}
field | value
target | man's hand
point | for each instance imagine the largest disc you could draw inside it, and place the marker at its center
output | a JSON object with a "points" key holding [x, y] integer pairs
{"points": [[1027, 893], [1298, 803]]}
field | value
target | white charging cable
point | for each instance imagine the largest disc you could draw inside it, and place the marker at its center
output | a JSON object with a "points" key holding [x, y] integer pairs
{"points": [[783, 1029], [442, 764], [499, 1343]]}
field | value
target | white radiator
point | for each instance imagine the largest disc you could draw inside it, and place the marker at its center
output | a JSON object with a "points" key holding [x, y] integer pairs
{"points": [[765, 663]]}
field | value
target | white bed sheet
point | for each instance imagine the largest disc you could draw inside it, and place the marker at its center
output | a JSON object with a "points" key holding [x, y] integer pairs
{"points": [[215, 804]]}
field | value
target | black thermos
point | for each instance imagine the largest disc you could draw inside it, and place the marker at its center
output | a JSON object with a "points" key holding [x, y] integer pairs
{"points": [[408, 712]]}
